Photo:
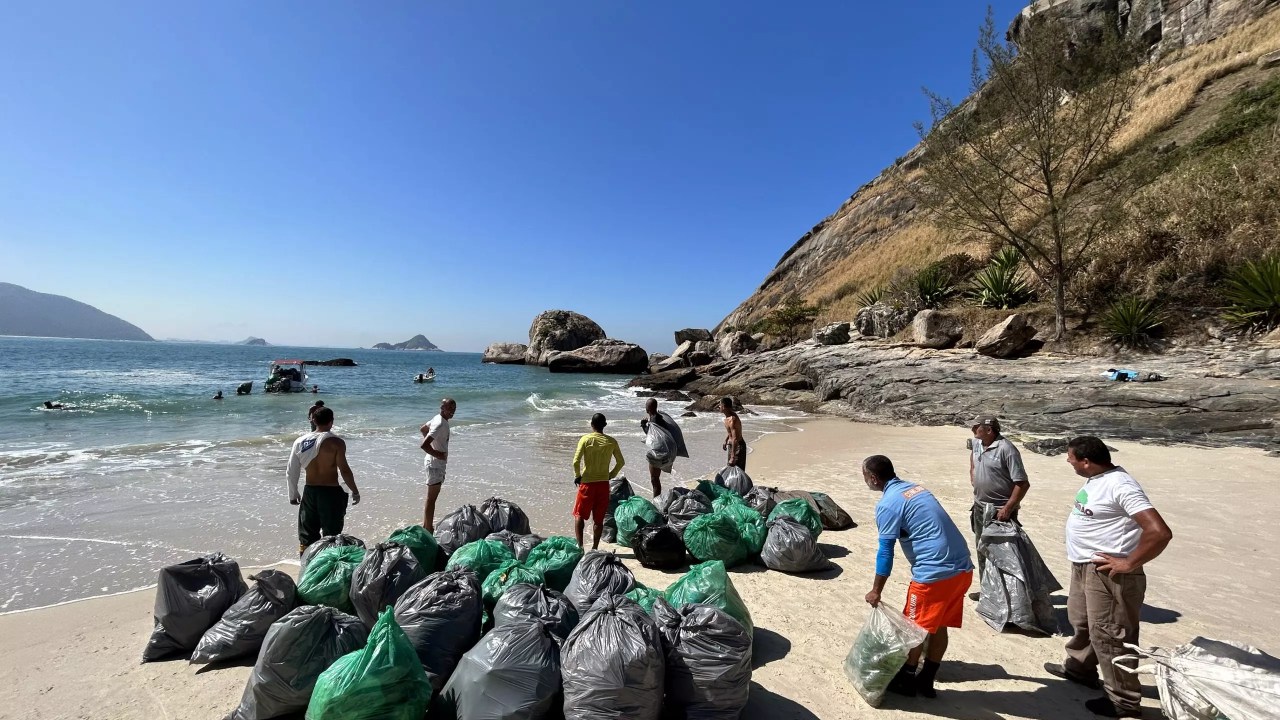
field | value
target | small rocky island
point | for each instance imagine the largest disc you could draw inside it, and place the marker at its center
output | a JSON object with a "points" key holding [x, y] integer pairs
{"points": [[255, 341], [417, 342], [564, 341]]}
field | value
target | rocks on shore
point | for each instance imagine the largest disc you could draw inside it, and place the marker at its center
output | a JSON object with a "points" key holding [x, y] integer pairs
{"points": [[560, 331], [692, 335], [1007, 338], [336, 362], [737, 343], [833, 334], [882, 320], [600, 356], [502, 353], [936, 329]]}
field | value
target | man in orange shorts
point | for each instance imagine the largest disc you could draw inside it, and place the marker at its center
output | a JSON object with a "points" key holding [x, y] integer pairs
{"points": [[941, 570], [592, 475]]}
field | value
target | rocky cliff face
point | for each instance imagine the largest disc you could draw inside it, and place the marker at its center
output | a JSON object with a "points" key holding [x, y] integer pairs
{"points": [[1166, 25]]}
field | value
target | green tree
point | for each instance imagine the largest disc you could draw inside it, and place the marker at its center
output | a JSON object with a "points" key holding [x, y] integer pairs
{"points": [[788, 319]]}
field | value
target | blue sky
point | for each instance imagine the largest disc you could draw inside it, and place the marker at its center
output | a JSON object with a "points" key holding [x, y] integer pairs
{"points": [[336, 173]]}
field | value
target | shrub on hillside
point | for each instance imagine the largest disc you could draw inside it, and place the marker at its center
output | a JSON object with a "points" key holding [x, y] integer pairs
{"points": [[933, 286], [871, 296], [1253, 292], [1133, 322]]}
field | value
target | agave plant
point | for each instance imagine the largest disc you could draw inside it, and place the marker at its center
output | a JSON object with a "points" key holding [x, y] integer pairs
{"points": [[1253, 295], [870, 297], [933, 285], [1006, 258], [1133, 322], [1000, 286]]}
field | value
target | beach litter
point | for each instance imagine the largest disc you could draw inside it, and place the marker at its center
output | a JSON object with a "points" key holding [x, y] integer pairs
{"points": [[190, 598], [520, 545], [750, 523], [832, 515], [244, 625], [708, 662], [442, 618], [709, 583], [761, 499], [513, 673], [660, 446], [791, 548], [598, 574], [1208, 679], [422, 543], [716, 536], [619, 490], [880, 651], [507, 575], [325, 543], [799, 509], [681, 509], [387, 571], [505, 515], [462, 526], [644, 596], [630, 514], [659, 547], [556, 557], [613, 664], [481, 557], [1015, 581], [538, 603], [735, 479], [328, 577], [381, 681]]}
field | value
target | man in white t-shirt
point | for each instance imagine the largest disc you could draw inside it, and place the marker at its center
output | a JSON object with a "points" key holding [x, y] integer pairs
{"points": [[1112, 531], [435, 443]]}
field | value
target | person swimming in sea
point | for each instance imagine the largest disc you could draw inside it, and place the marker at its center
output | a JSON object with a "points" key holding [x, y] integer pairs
{"points": [[218, 396], [51, 405]]}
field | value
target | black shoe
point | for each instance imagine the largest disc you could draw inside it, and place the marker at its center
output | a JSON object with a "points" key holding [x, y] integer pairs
{"points": [[1059, 671], [1104, 707], [975, 596], [924, 679], [904, 683]]}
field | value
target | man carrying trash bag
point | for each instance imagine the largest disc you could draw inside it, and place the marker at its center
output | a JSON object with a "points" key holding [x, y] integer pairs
{"points": [[655, 417], [941, 570]]}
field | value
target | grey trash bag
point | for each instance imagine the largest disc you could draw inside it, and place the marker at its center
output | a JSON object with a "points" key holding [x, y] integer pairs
{"points": [[505, 515], [736, 479], [659, 547], [460, 527], [598, 573], [244, 625], [520, 545], [1209, 679], [708, 658], [613, 664], [681, 509], [832, 515], [1016, 583], [660, 445], [619, 490], [303, 644], [441, 616], [536, 602], [513, 673], [790, 547], [387, 572], [325, 543], [761, 499], [190, 597]]}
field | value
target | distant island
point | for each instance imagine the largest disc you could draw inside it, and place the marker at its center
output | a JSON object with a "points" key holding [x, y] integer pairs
{"points": [[417, 342], [254, 341], [35, 314]]}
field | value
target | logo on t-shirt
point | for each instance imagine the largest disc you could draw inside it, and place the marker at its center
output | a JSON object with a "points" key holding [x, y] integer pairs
{"points": [[1082, 501], [912, 492], [307, 445]]}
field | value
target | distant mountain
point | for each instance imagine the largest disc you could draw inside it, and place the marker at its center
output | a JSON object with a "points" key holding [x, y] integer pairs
{"points": [[417, 342], [36, 314], [253, 341]]}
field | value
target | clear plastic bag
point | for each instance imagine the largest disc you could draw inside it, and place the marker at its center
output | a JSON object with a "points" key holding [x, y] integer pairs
{"points": [[660, 444], [880, 651]]}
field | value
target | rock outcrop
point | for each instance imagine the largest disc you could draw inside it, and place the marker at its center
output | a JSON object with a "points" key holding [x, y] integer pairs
{"points": [[832, 334], [417, 342], [692, 334], [560, 331], [936, 329], [254, 341], [882, 320], [1166, 25], [734, 344], [601, 356], [503, 353], [1007, 338], [336, 362]]}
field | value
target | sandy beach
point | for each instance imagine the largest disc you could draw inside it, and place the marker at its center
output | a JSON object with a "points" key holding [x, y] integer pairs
{"points": [[1218, 578]]}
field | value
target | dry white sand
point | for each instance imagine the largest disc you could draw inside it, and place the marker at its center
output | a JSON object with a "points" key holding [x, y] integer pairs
{"points": [[1218, 578]]}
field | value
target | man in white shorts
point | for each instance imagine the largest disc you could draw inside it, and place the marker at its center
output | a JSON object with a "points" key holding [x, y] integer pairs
{"points": [[435, 443]]}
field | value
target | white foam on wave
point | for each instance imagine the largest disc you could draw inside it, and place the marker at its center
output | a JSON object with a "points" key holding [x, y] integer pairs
{"points": [[64, 539]]}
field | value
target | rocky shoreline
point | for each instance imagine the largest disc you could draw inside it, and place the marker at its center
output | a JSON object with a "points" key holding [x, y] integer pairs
{"points": [[1212, 396]]}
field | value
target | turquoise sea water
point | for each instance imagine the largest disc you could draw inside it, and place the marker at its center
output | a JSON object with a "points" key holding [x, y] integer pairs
{"points": [[144, 469]]}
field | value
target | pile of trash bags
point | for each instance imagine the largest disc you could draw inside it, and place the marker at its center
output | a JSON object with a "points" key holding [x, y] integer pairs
{"points": [[504, 515], [631, 514], [382, 680], [480, 557], [387, 571], [619, 490], [462, 526]]}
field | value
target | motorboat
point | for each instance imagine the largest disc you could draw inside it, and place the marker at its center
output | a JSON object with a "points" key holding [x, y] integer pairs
{"points": [[424, 377], [287, 376]]}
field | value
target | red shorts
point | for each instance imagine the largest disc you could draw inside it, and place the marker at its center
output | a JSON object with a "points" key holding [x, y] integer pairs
{"points": [[592, 501], [938, 604]]}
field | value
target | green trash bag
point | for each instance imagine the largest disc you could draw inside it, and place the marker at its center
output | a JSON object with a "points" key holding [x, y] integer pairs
{"points": [[421, 543], [480, 557], [511, 572], [555, 557], [880, 651], [750, 523], [382, 681], [328, 577], [709, 583], [716, 536], [630, 514], [800, 510], [644, 596], [714, 491]]}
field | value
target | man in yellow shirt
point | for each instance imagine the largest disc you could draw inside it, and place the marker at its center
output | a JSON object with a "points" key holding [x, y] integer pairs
{"points": [[592, 475]]}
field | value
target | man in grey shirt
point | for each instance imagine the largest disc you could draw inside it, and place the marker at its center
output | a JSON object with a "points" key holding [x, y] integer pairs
{"points": [[999, 480]]}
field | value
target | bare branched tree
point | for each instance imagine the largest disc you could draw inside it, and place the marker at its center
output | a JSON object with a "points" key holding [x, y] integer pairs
{"points": [[1021, 162]]}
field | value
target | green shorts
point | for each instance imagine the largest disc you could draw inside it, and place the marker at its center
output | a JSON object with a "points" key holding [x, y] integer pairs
{"points": [[323, 511]]}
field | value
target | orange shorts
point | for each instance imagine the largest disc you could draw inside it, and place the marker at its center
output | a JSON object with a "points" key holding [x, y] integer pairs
{"points": [[938, 604], [592, 501]]}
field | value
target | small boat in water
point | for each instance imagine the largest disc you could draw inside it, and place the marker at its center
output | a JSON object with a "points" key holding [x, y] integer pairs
{"points": [[286, 376], [425, 377]]}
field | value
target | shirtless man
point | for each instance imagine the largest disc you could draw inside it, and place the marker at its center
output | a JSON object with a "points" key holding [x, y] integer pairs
{"points": [[435, 443], [733, 441], [323, 506]]}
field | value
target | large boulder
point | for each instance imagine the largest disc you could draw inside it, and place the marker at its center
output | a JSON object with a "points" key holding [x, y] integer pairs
{"points": [[601, 356], [667, 380], [734, 344], [683, 349], [936, 329], [833, 334], [673, 363], [505, 353], [692, 334], [560, 330], [1007, 338], [882, 320]]}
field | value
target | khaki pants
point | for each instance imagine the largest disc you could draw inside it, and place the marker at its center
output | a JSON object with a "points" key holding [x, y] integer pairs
{"points": [[1103, 609]]}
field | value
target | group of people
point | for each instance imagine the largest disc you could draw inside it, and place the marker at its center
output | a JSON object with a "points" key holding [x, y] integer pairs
{"points": [[1112, 531]]}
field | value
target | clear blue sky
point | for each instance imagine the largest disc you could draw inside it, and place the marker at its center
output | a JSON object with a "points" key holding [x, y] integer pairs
{"points": [[378, 170]]}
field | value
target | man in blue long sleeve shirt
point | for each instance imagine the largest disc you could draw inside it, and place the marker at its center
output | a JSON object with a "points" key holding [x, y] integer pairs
{"points": [[941, 570]]}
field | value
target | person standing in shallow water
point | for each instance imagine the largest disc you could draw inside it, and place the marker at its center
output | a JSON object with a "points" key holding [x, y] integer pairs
{"points": [[435, 443], [322, 505], [591, 473], [311, 414], [733, 441]]}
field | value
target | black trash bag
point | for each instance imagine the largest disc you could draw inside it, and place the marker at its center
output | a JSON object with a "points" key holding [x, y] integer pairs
{"points": [[791, 548], [536, 602], [736, 479], [832, 515], [505, 515], [244, 625], [303, 644], [190, 597], [512, 674], [387, 572], [659, 547], [708, 661], [613, 664], [325, 543], [684, 509], [599, 573], [460, 527], [520, 545], [442, 616], [619, 490], [761, 499]]}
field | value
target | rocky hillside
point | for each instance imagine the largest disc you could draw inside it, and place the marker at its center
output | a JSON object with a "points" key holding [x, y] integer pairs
{"points": [[1206, 51], [35, 314], [417, 342]]}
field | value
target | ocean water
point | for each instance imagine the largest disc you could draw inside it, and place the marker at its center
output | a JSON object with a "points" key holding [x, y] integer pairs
{"points": [[144, 469]]}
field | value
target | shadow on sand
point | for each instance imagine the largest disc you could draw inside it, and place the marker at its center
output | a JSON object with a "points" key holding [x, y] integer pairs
{"points": [[766, 705], [767, 646]]}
